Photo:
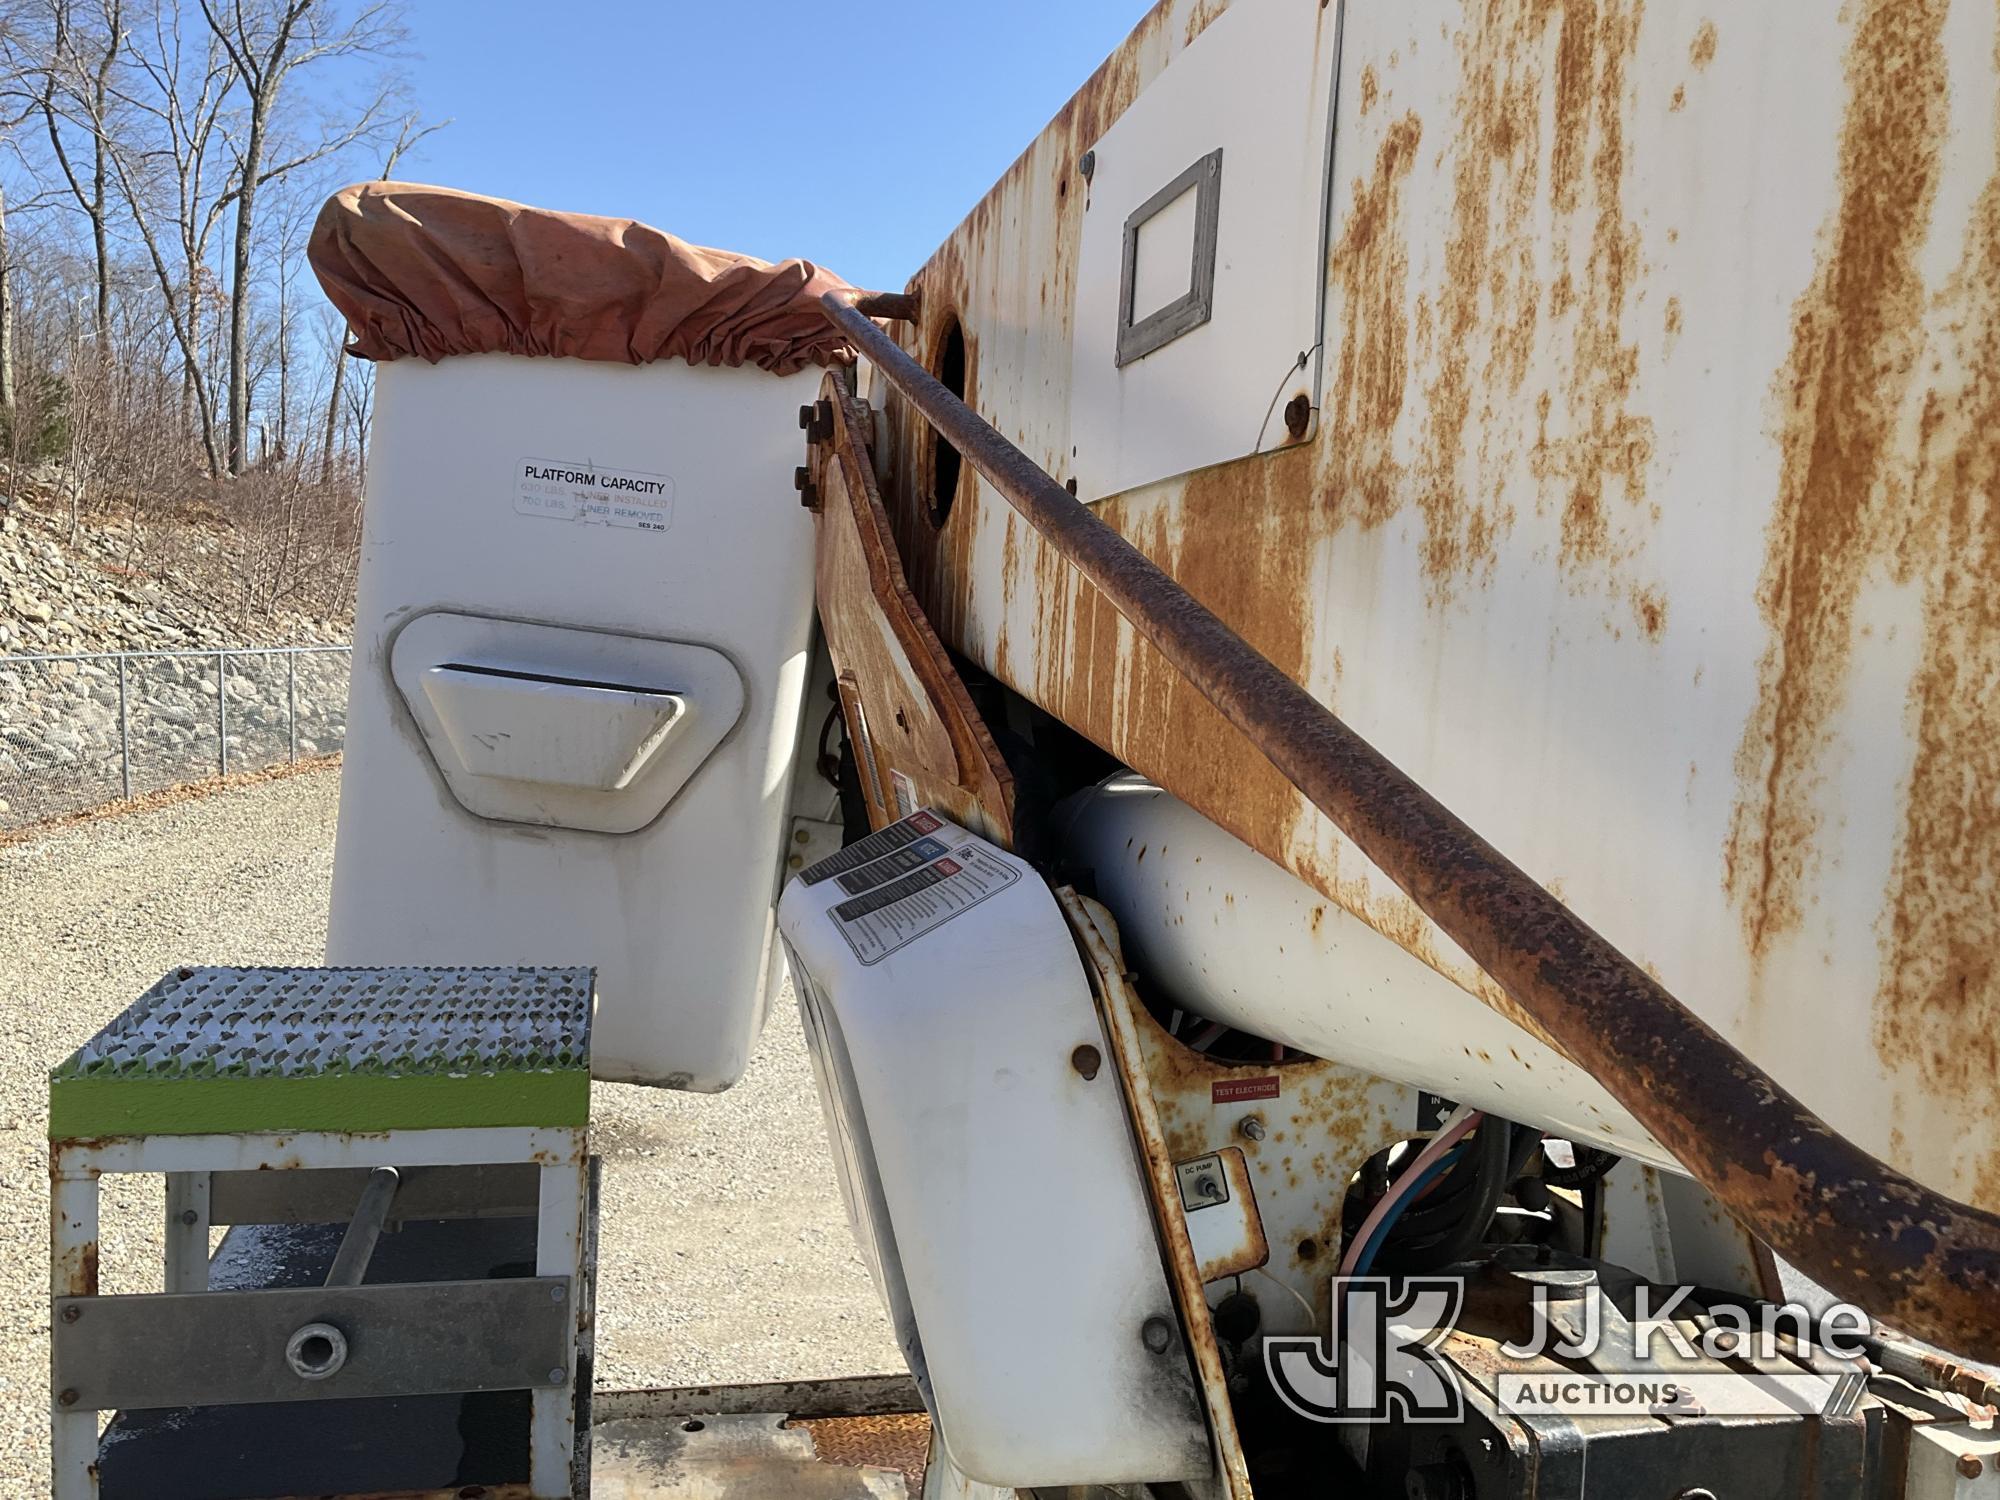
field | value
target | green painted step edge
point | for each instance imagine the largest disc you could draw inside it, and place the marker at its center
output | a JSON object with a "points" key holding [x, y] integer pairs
{"points": [[86, 1107]]}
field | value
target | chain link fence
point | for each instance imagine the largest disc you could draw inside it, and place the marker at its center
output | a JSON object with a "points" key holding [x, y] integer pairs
{"points": [[77, 731]]}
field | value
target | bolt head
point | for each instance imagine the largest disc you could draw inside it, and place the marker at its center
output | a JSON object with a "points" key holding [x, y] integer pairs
{"points": [[68, 1397], [71, 1313], [190, 1218], [1970, 1465], [1252, 1128], [557, 1375], [1298, 413], [1086, 1059], [555, 1294], [1157, 1334]]}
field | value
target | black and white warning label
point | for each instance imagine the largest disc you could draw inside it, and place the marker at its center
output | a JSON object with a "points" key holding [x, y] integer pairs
{"points": [[567, 490], [879, 872], [894, 911], [919, 825]]}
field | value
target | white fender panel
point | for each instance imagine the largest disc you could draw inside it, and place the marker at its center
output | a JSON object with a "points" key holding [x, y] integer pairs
{"points": [[995, 1189]]}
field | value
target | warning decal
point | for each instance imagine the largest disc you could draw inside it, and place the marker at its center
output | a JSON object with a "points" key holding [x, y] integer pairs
{"points": [[894, 914], [1238, 1090], [877, 844], [570, 490], [889, 866]]}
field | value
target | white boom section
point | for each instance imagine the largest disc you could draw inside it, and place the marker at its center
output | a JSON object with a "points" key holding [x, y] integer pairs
{"points": [[1218, 928]]}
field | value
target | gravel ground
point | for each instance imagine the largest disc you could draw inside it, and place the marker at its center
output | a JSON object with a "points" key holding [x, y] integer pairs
{"points": [[724, 1254]]}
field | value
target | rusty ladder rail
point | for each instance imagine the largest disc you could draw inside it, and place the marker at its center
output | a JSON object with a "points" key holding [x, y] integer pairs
{"points": [[1853, 1223]]}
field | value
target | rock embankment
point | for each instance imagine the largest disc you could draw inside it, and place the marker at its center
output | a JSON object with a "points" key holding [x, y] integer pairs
{"points": [[63, 739]]}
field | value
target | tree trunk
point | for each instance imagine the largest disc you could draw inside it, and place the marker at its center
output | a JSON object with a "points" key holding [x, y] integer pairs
{"points": [[284, 367], [6, 314], [408, 136], [239, 286], [333, 408], [100, 228], [91, 200]]}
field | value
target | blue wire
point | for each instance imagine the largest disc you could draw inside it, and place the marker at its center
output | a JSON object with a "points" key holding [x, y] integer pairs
{"points": [[1431, 1173]]}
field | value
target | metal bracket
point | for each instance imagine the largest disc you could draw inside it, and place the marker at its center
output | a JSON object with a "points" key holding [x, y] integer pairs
{"points": [[326, 1195], [1191, 309], [229, 1348]]}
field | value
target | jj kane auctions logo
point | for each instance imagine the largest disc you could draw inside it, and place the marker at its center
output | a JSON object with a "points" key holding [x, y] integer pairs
{"points": [[1384, 1361]]}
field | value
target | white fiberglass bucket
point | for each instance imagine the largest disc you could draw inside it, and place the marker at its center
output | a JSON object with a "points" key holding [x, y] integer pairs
{"points": [[581, 645]]}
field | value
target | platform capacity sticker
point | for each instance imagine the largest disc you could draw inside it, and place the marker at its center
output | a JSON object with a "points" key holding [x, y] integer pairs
{"points": [[1242, 1090], [894, 913], [573, 490]]}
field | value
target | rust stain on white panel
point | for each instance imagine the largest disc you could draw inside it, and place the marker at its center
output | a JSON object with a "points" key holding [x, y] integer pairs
{"points": [[1650, 517]]}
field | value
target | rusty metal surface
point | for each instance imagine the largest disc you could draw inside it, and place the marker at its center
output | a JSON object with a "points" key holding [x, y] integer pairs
{"points": [[1302, 1142], [1852, 1223], [750, 1456], [1302, 1127], [843, 1396], [451, 1492], [1643, 513], [1642, 521], [1248, 1246], [1123, 1020], [901, 1442], [891, 306], [917, 738], [489, 1190]]}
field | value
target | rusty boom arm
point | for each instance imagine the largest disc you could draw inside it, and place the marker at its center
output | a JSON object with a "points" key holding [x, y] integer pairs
{"points": [[1854, 1224]]}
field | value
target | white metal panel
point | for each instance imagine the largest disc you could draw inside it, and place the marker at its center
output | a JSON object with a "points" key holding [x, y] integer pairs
{"points": [[621, 728], [675, 916], [1165, 250], [458, 1145], [943, 1482], [1219, 1202], [1952, 1461], [994, 1186], [561, 727], [1218, 391], [1596, 399]]}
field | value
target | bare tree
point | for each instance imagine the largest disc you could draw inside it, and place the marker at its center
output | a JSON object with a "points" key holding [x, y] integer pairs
{"points": [[160, 165], [175, 187], [297, 212], [268, 41], [361, 416], [9, 60], [79, 55], [6, 313], [408, 133]]}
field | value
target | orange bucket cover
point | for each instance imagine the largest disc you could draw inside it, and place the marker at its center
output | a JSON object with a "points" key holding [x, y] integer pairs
{"points": [[432, 272]]}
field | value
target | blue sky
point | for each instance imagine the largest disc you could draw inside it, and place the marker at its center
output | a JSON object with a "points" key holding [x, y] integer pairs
{"points": [[853, 135]]}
